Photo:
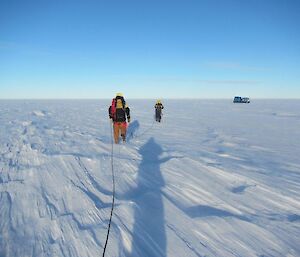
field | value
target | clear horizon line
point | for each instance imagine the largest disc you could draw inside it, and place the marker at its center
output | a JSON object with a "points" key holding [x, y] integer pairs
{"points": [[167, 98]]}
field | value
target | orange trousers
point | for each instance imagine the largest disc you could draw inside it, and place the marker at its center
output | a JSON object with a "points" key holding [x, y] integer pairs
{"points": [[120, 129]]}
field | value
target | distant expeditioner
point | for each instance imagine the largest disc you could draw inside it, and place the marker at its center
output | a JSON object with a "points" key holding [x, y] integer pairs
{"points": [[118, 112], [158, 110]]}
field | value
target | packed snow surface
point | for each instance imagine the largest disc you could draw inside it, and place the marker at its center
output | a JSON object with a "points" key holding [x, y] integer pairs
{"points": [[213, 179]]}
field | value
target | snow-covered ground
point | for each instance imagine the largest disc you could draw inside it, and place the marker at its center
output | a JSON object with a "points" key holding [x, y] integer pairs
{"points": [[213, 179]]}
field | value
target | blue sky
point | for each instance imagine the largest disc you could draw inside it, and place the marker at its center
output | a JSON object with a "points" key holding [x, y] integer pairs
{"points": [[150, 49]]}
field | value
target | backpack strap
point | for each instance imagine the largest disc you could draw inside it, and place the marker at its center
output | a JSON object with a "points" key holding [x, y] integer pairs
{"points": [[113, 109]]}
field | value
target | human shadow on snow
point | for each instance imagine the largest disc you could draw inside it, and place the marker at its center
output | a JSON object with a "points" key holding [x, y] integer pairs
{"points": [[149, 236], [132, 129]]}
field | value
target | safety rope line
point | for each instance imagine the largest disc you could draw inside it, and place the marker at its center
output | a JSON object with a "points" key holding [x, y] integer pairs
{"points": [[143, 132], [113, 179], [113, 193]]}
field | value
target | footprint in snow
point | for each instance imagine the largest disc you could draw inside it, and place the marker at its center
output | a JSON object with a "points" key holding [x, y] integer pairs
{"points": [[240, 189]]}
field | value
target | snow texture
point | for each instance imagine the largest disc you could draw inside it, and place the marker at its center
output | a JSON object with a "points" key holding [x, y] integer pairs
{"points": [[213, 179]]}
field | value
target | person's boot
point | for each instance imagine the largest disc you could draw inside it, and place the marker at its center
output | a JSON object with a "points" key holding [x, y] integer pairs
{"points": [[124, 138]]}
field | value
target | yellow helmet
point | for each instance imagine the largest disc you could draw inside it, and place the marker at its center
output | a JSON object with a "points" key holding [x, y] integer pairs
{"points": [[119, 94], [158, 101]]}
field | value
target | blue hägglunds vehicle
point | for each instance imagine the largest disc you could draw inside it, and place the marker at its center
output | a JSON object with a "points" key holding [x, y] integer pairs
{"points": [[238, 99]]}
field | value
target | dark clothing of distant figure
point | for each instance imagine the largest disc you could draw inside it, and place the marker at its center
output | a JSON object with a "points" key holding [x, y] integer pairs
{"points": [[158, 111]]}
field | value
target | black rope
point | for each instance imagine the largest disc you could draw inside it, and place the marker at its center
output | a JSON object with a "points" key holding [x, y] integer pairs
{"points": [[113, 195], [143, 132], [113, 181]]}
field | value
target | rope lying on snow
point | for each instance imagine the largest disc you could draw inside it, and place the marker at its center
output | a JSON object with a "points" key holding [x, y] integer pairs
{"points": [[113, 180], [113, 193], [143, 132]]}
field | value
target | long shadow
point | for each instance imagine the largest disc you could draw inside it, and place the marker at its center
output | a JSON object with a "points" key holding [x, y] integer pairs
{"points": [[208, 211], [149, 236], [132, 129]]}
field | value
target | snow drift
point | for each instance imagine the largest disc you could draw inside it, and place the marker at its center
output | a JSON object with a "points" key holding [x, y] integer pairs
{"points": [[213, 179]]}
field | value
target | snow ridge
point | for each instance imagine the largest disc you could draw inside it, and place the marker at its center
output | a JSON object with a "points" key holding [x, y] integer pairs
{"points": [[224, 182]]}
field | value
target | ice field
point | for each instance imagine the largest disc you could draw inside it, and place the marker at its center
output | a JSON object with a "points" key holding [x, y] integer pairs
{"points": [[213, 179]]}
